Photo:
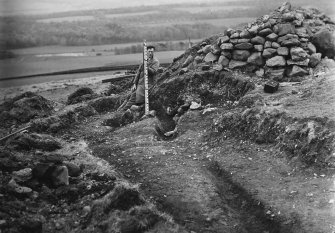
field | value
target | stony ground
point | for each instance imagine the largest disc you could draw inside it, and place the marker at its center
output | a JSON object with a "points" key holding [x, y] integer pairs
{"points": [[207, 181]]}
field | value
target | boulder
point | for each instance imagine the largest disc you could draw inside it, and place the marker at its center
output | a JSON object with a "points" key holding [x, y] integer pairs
{"points": [[243, 40], [235, 35], [210, 57], [286, 37], [244, 46], [224, 61], [267, 44], [258, 40], [253, 30], [299, 63], [324, 42], [315, 59], [276, 61], [256, 59], [223, 39], [272, 37], [275, 45], [188, 61], [297, 71], [291, 42], [227, 54], [265, 32], [245, 34], [284, 29], [269, 52], [311, 48], [258, 47], [275, 73], [298, 54], [233, 64], [241, 55], [283, 51], [285, 7], [227, 46]]}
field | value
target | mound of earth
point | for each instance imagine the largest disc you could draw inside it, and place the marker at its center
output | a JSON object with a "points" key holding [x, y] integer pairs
{"points": [[80, 95], [23, 108]]}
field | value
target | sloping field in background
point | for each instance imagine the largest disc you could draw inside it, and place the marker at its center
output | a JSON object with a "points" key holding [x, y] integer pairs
{"points": [[31, 65]]}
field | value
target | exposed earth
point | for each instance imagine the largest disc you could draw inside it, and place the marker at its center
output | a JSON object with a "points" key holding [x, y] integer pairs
{"points": [[238, 160]]}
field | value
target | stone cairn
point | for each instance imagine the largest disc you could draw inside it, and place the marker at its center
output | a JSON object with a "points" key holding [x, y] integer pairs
{"points": [[286, 43]]}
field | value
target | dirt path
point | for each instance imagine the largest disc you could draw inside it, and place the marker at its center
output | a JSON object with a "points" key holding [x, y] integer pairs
{"points": [[230, 185]]}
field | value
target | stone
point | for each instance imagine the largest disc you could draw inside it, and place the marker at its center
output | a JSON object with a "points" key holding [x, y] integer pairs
{"points": [[271, 86], [275, 73], [284, 29], [291, 42], [275, 45], [289, 17], [195, 105], [230, 31], [224, 61], [253, 30], [283, 51], [227, 46], [324, 42], [272, 37], [233, 64], [215, 49], [272, 21], [244, 46], [217, 67], [258, 40], [241, 55], [265, 32], [298, 54], [287, 37], [224, 39], [74, 170], [205, 67], [198, 59], [23, 175], [285, 7], [234, 41], [258, 47], [269, 52], [18, 188], [276, 61], [60, 176], [304, 40], [227, 54], [245, 34], [210, 57], [206, 49], [243, 40], [267, 44], [260, 72], [314, 59], [256, 59], [299, 63], [181, 72], [235, 35], [302, 32], [188, 61], [297, 71]]}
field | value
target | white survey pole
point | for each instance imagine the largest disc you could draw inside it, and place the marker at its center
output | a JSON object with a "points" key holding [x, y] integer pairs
{"points": [[146, 83]]}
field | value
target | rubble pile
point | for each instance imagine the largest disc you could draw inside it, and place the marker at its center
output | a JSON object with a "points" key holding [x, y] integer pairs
{"points": [[284, 44]]}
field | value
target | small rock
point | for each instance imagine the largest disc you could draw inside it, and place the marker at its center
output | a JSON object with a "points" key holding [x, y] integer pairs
{"points": [[314, 59], [227, 46], [233, 64], [195, 105], [276, 61], [241, 55], [298, 54], [265, 32], [267, 44], [86, 209], [298, 71], [258, 40], [260, 72], [258, 47], [269, 52], [210, 57], [23, 175], [283, 51]]}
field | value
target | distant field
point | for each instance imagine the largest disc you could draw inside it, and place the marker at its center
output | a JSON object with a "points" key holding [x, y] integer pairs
{"points": [[69, 18], [198, 9], [229, 22], [131, 14], [29, 65]]}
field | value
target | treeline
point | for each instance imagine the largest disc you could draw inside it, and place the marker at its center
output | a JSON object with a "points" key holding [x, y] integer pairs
{"points": [[24, 32], [160, 46]]}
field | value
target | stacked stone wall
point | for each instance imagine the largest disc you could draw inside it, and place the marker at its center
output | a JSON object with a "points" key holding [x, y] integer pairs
{"points": [[286, 43]]}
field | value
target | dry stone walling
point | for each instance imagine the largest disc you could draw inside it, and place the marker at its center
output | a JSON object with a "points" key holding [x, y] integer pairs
{"points": [[284, 44]]}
